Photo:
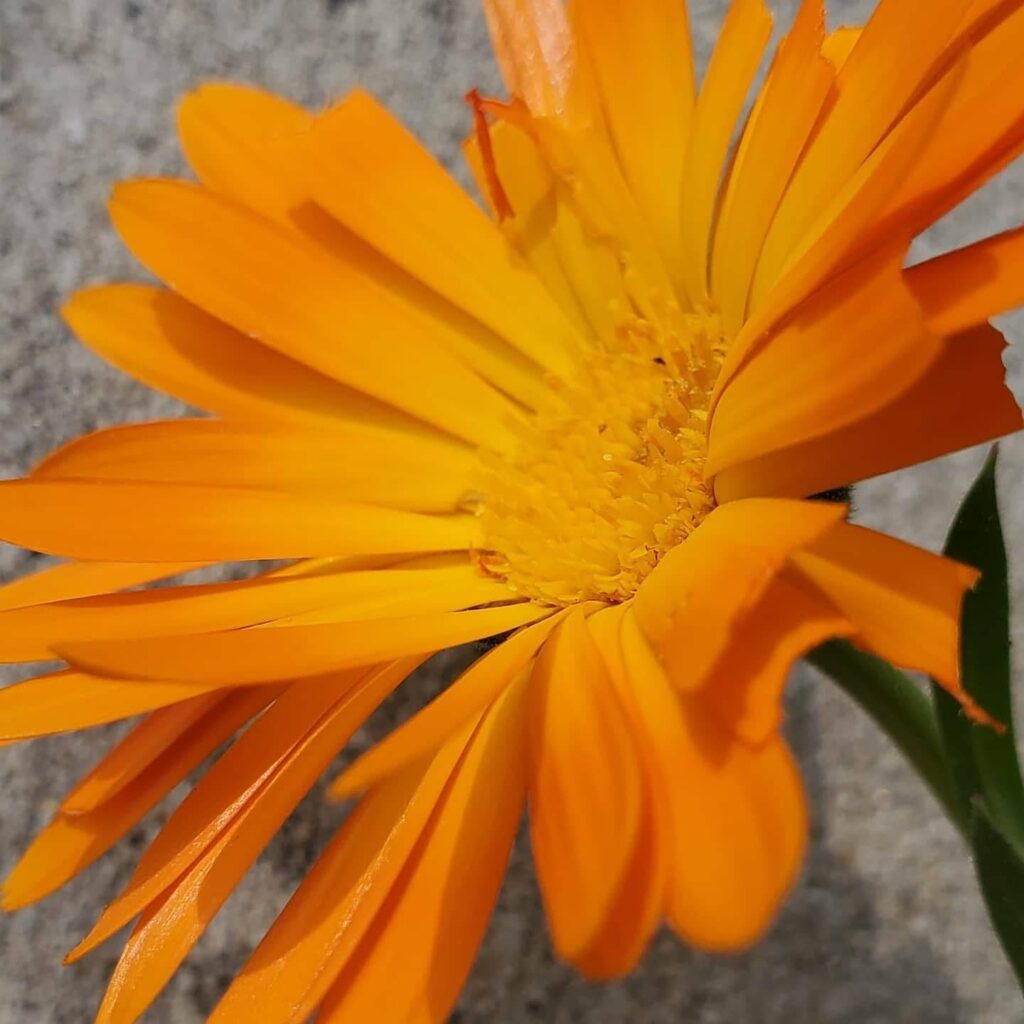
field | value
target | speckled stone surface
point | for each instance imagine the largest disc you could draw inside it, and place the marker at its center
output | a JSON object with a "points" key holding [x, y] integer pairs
{"points": [[885, 927]]}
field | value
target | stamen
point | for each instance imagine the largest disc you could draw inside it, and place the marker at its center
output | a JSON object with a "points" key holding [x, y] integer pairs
{"points": [[606, 481], [482, 127]]}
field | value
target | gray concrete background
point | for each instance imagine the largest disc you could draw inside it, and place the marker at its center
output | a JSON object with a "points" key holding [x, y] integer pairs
{"points": [[886, 924]]}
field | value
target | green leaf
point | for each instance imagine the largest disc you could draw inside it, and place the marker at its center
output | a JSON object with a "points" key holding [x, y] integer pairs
{"points": [[983, 761], [972, 769], [1001, 877]]}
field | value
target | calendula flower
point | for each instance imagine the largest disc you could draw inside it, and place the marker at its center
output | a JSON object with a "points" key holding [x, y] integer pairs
{"points": [[588, 425]]}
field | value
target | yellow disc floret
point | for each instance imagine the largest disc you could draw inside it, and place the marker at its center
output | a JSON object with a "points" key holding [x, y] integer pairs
{"points": [[611, 476]]}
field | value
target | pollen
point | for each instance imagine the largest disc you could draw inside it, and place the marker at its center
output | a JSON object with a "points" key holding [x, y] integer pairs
{"points": [[610, 477]]}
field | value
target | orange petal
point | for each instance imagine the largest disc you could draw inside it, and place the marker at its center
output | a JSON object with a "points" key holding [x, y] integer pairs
{"points": [[530, 186], [263, 654], [960, 400], [844, 232], [964, 288], [32, 634], [416, 959], [70, 843], [736, 815], [745, 688], [636, 910], [838, 45], [633, 916], [341, 897], [536, 52], [643, 61], [350, 463], [819, 372], [163, 523], [904, 602], [900, 44], [592, 270], [596, 225], [730, 73], [281, 289], [71, 580], [247, 144], [585, 787], [218, 831], [164, 341], [428, 729], [221, 797], [170, 927], [254, 147], [68, 701], [784, 115], [984, 118], [377, 180], [688, 608], [437, 583], [135, 754]]}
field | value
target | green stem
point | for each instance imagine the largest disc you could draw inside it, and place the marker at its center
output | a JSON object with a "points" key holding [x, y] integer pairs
{"points": [[901, 709]]}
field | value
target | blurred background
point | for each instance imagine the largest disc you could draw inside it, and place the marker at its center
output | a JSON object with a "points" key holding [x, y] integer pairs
{"points": [[886, 924]]}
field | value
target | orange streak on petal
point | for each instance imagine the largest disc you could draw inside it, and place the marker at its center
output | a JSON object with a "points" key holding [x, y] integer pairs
{"points": [[842, 234], [978, 134], [498, 195]]}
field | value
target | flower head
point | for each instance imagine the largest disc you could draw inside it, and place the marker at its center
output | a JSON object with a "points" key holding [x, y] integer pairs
{"points": [[589, 423]]}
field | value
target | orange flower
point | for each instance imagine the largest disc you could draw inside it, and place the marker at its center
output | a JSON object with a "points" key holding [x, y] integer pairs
{"points": [[590, 423]]}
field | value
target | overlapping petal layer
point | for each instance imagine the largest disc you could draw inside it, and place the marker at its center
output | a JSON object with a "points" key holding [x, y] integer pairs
{"points": [[371, 347]]}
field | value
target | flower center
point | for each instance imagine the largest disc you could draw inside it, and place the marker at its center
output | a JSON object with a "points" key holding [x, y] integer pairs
{"points": [[611, 476]]}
